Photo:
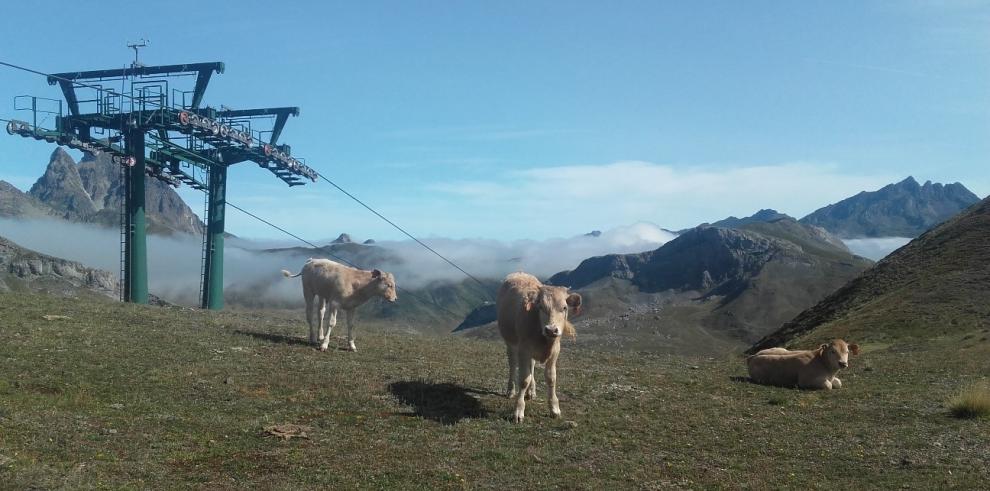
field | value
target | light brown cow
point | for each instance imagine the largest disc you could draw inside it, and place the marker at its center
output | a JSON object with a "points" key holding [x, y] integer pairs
{"points": [[339, 287], [531, 318], [811, 369]]}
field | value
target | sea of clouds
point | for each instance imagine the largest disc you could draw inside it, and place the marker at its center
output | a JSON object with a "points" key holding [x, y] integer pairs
{"points": [[875, 248], [174, 262]]}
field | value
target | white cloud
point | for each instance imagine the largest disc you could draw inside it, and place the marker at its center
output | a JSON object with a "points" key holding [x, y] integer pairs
{"points": [[494, 259], [876, 248], [624, 192]]}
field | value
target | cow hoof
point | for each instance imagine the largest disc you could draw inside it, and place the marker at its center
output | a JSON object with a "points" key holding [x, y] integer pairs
{"points": [[518, 418], [323, 349], [351, 347], [555, 412]]}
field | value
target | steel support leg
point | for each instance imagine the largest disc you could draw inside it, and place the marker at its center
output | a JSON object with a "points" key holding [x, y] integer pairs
{"points": [[213, 270], [137, 240]]}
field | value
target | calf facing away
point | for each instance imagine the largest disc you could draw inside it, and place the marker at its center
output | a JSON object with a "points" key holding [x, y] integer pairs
{"points": [[531, 319], [339, 287], [811, 369]]}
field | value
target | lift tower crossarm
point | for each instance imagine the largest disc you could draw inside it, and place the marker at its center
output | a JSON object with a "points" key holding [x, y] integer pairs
{"points": [[266, 111], [203, 71], [281, 117], [216, 66]]}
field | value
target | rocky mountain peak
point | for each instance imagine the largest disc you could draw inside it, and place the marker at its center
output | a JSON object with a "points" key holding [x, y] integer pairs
{"points": [[909, 183], [61, 187], [342, 239], [92, 192], [904, 209]]}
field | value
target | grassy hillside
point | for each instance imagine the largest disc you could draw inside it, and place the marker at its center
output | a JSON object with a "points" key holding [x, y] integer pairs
{"points": [[125, 396], [936, 285]]}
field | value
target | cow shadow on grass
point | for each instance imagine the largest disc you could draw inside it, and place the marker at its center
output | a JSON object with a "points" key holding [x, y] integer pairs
{"points": [[742, 379], [274, 338], [444, 403]]}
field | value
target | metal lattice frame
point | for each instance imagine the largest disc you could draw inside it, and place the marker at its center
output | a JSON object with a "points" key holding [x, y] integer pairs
{"points": [[152, 132]]}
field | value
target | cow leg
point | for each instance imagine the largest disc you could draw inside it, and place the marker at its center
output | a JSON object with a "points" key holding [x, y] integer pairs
{"points": [[350, 330], [309, 318], [525, 363], [550, 373], [510, 388], [323, 312], [531, 391], [836, 383], [332, 322]]}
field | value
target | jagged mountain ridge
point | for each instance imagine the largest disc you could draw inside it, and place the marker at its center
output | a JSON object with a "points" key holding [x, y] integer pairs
{"points": [[936, 285], [92, 192], [904, 209], [24, 269], [15, 203], [764, 215]]}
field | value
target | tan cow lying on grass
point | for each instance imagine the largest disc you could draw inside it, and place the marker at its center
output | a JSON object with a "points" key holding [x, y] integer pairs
{"points": [[531, 318], [339, 287], [812, 369]]}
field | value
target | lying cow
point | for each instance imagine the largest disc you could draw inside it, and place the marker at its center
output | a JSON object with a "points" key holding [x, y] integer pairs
{"points": [[531, 318], [813, 369], [339, 287]]}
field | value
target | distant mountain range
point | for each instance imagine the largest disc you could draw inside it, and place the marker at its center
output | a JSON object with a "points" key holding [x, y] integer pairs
{"points": [[91, 192], [765, 215], [711, 289], [937, 286], [905, 209], [760, 270]]}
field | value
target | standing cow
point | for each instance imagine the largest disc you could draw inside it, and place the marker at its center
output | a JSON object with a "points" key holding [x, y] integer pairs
{"points": [[531, 318], [811, 369], [339, 287]]}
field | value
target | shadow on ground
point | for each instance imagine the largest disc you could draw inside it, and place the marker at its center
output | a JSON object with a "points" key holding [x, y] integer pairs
{"points": [[444, 403], [274, 338], [744, 379]]}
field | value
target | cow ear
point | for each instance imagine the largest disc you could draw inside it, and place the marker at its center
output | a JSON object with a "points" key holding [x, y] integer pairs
{"points": [[854, 349], [376, 274], [823, 347], [574, 302]]}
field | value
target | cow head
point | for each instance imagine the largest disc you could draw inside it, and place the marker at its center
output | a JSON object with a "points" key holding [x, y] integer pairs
{"points": [[554, 304], [385, 283], [836, 353]]}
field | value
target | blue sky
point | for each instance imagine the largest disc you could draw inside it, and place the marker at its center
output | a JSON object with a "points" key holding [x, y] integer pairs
{"points": [[518, 120]]}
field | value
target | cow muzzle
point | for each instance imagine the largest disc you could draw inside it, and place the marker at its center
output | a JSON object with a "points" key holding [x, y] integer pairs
{"points": [[843, 364], [551, 331]]}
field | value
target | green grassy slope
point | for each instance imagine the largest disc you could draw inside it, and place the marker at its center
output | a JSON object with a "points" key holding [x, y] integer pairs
{"points": [[124, 396], [937, 285]]}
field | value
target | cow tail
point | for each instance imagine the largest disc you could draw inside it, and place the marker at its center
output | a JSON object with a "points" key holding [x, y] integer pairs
{"points": [[290, 275]]}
